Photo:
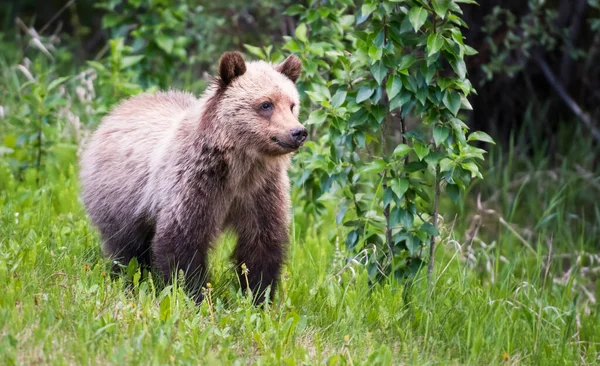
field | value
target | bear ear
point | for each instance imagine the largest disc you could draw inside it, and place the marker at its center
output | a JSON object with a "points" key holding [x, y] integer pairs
{"points": [[231, 65], [291, 67]]}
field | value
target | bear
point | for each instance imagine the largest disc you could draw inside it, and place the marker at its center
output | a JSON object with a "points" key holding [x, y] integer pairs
{"points": [[164, 174]]}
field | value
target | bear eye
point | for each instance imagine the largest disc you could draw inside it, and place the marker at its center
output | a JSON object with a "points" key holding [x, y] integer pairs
{"points": [[266, 106]]}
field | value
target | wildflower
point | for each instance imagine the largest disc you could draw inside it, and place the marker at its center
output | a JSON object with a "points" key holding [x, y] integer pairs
{"points": [[245, 270], [505, 356]]}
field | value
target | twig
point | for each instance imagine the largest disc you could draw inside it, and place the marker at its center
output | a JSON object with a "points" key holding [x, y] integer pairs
{"points": [[56, 15], [558, 87]]}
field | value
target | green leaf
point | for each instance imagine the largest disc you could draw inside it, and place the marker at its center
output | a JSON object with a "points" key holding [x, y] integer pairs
{"points": [[379, 112], [165, 43], [434, 158], [422, 95], [481, 136], [421, 149], [129, 61], [417, 17], [379, 71], [465, 104], [394, 85], [399, 186], [338, 99], [430, 229], [301, 32], [406, 218], [440, 134], [256, 51], [445, 83], [453, 192], [295, 9], [397, 102], [434, 43], [473, 168], [413, 244], [368, 7], [317, 117], [406, 62], [110, 20], [364, 93], [452, 101], [401, 150], [374, 166], [459, 68], [375, 53], [447, 165], [470, 51], [440, 7], [342, 209], [351, 239], [165, 308], [96, 65], [57, 82]]}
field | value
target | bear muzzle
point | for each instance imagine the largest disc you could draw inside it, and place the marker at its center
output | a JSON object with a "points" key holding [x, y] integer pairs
{"points": [[293, 141], [299, 135]]}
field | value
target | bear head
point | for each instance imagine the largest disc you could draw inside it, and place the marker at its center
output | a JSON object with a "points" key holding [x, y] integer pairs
{"points": [[258, 103]]}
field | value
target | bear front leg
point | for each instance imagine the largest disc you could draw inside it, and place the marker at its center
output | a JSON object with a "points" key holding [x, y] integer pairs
{"points": [[262, 226], [183, 237]]}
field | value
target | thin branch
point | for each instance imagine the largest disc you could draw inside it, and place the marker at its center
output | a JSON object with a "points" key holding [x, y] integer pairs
{"points": [[558, 87], [56, 16]]}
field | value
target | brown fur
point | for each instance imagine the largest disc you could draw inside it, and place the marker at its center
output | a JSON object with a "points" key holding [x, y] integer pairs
{"points": [[164, 174]]}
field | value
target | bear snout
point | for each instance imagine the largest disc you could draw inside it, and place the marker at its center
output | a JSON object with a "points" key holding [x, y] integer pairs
{"points": [[299, 135]]}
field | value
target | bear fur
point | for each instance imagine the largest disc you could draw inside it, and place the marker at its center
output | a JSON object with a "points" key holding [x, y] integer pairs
{"points": [[165, 174]]}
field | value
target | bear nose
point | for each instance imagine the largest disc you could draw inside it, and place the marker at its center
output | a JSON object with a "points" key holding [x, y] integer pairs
{"points": [[299, 134]]}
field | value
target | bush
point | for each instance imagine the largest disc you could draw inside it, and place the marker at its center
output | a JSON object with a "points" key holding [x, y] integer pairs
{"points": [[368, 72]]}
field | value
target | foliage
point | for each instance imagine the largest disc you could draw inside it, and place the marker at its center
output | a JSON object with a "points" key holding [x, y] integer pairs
{"points": [[158, 30], [176, 34], [388, 62], [521, 36]]}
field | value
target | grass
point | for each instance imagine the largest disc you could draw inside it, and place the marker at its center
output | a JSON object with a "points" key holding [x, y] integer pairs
{"points": [[516, 275], [58, 306]]}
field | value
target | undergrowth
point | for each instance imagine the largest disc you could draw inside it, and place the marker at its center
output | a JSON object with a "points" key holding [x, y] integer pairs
{"points": [[494, 300]]}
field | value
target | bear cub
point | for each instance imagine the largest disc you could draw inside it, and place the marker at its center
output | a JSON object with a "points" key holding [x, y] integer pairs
{"points": [[165, 174]]}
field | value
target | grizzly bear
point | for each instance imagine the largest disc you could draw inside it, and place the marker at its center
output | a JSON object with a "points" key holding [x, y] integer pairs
{"points": [[165, 174]]}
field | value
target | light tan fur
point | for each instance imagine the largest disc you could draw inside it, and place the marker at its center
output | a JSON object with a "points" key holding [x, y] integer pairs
{"points": [[156, 160]]}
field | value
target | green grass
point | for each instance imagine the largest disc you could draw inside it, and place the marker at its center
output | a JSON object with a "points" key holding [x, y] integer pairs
{"points": [[58, 306]]}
